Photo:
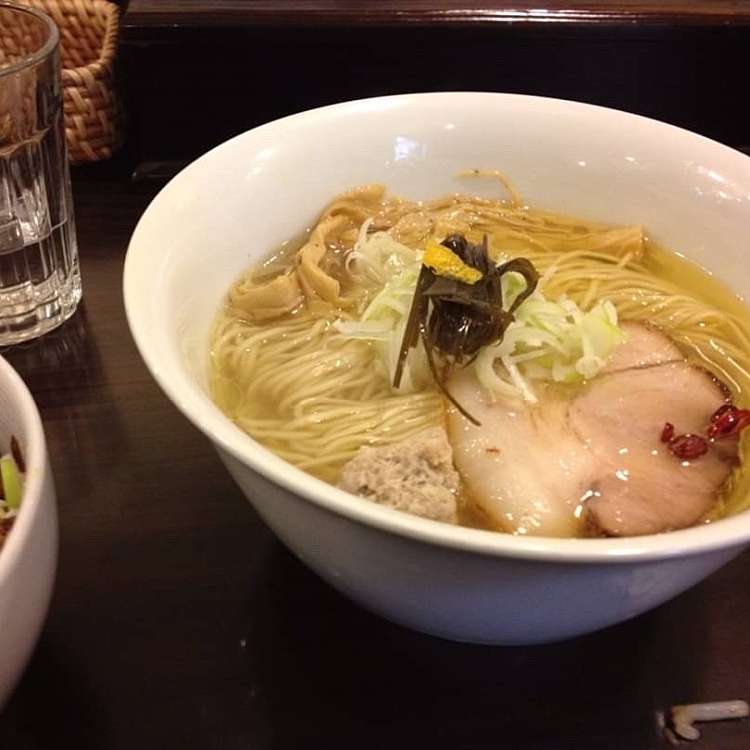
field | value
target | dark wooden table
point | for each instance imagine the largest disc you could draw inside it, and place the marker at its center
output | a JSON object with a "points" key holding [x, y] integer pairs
{"points": [[178, 620]]}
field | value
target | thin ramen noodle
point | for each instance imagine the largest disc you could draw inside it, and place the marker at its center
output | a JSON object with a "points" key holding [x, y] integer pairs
{"points": [[286, 374]]}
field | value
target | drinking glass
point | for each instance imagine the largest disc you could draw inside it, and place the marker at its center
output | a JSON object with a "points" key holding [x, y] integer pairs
{"points": [[40, 283]]}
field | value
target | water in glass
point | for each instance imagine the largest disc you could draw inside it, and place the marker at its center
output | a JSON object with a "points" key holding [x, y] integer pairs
{"points": [[40, 283]]}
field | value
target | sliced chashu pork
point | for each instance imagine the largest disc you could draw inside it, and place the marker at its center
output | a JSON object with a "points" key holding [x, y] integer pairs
{"points": [[524, 467], [645, 346], [594, 459], [640, 486]]}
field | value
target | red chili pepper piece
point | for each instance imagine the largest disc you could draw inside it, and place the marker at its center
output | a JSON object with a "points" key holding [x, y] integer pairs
{"points": [[724, 424], [688, 446], [722, 410], [667, 432], [728, 421]]}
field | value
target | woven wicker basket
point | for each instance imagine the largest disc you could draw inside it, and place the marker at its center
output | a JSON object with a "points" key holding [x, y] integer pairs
{"points": [[88, 45]]}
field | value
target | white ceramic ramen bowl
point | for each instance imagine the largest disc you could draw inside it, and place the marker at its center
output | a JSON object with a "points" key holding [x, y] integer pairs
{"points": [[228, 209], [29, 557]]}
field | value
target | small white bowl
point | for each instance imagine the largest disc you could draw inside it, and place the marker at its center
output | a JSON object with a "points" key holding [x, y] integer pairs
{"points": [[232, 206], [28, 559]]}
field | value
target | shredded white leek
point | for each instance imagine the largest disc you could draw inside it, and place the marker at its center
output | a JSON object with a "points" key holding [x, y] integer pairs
{"points": [[552, 341], [376, 258], [395, 268]]}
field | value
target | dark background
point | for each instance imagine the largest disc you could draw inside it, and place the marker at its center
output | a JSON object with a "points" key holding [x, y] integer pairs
{"points": [[193, 83], [178, 621]]}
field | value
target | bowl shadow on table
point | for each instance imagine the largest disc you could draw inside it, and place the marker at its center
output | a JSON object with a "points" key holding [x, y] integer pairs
{"points": [[65, 371], [328, 671], [65, 357]]}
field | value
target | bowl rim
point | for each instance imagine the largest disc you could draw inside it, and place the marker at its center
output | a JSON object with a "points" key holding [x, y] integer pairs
{"points": [[35, 457], [726, 533]]}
